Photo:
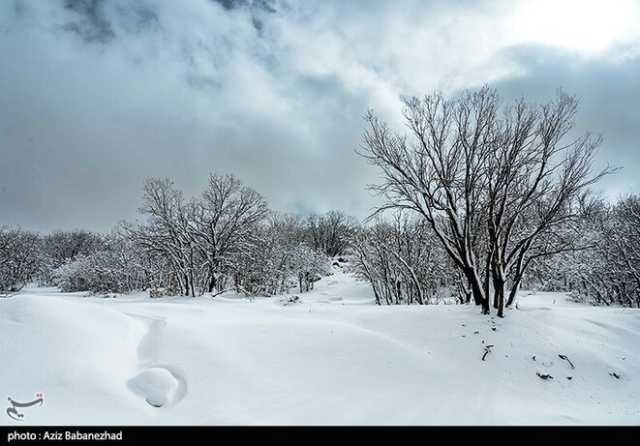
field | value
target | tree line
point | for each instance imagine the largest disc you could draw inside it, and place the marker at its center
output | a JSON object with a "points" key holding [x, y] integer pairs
{"points": [[480, 198], [224, 239]]}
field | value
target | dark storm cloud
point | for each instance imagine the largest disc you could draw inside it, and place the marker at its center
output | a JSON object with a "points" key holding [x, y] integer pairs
{"points": [[97, 95], [90, 23]]}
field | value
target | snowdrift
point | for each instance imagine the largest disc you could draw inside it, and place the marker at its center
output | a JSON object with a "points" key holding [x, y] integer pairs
{"points": [[331, 358]]}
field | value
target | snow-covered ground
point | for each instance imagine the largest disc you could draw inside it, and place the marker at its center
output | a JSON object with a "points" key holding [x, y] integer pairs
{"points": [[334, 358]]}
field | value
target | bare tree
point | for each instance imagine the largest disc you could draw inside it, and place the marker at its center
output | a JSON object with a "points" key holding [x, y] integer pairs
{"points": [[166, 232], [490, 180], [226, 218], [608, 272], [401, 260], [282, 258]]}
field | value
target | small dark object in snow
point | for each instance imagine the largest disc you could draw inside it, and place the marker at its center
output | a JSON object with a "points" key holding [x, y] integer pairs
{"points": [[615, 375], [493, 328], [568, 360], [476, 332], [342, 260], [487, 350], [544, 376], [337, 264], [533, 357], [569, 378], [464, 336], [463, 325], [290, 300]]}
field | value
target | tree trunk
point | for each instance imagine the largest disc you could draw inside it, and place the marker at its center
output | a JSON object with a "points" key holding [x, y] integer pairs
{"points": [[498, 299], [476, 289], [186, 285], [212, 281], [514, 290]]}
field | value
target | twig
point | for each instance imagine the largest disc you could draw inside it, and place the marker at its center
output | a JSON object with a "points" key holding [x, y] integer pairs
{"points": [[487, 350], [568, 360]]}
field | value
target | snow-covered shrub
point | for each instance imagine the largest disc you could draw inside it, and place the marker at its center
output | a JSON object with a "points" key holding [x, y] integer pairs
{"points": [[309, 265], [20, 259], [60, 247], [72, 275], [114, 269]]}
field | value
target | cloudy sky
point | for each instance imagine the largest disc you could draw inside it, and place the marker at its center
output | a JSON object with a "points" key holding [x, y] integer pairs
{"points": [[96, 95]]}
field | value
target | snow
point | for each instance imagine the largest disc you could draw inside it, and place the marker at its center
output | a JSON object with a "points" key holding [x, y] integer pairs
{"points": [[157, 385], [331, 358]]}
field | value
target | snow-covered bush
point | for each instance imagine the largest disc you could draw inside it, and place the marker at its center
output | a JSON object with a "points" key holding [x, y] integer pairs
{"points": [[73, 275], [60, 247], [114, 269], [309, 265], [20, 259]]}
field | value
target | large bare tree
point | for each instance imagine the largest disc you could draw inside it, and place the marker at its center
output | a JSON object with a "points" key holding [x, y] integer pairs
{"points": [[492, 180]]}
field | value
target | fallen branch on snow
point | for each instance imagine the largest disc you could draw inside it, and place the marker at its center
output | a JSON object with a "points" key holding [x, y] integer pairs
{"points": [[487, 350], [568, 360]]}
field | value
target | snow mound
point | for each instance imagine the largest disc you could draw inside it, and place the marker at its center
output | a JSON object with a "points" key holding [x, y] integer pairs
{"points": [[157, 385]]}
